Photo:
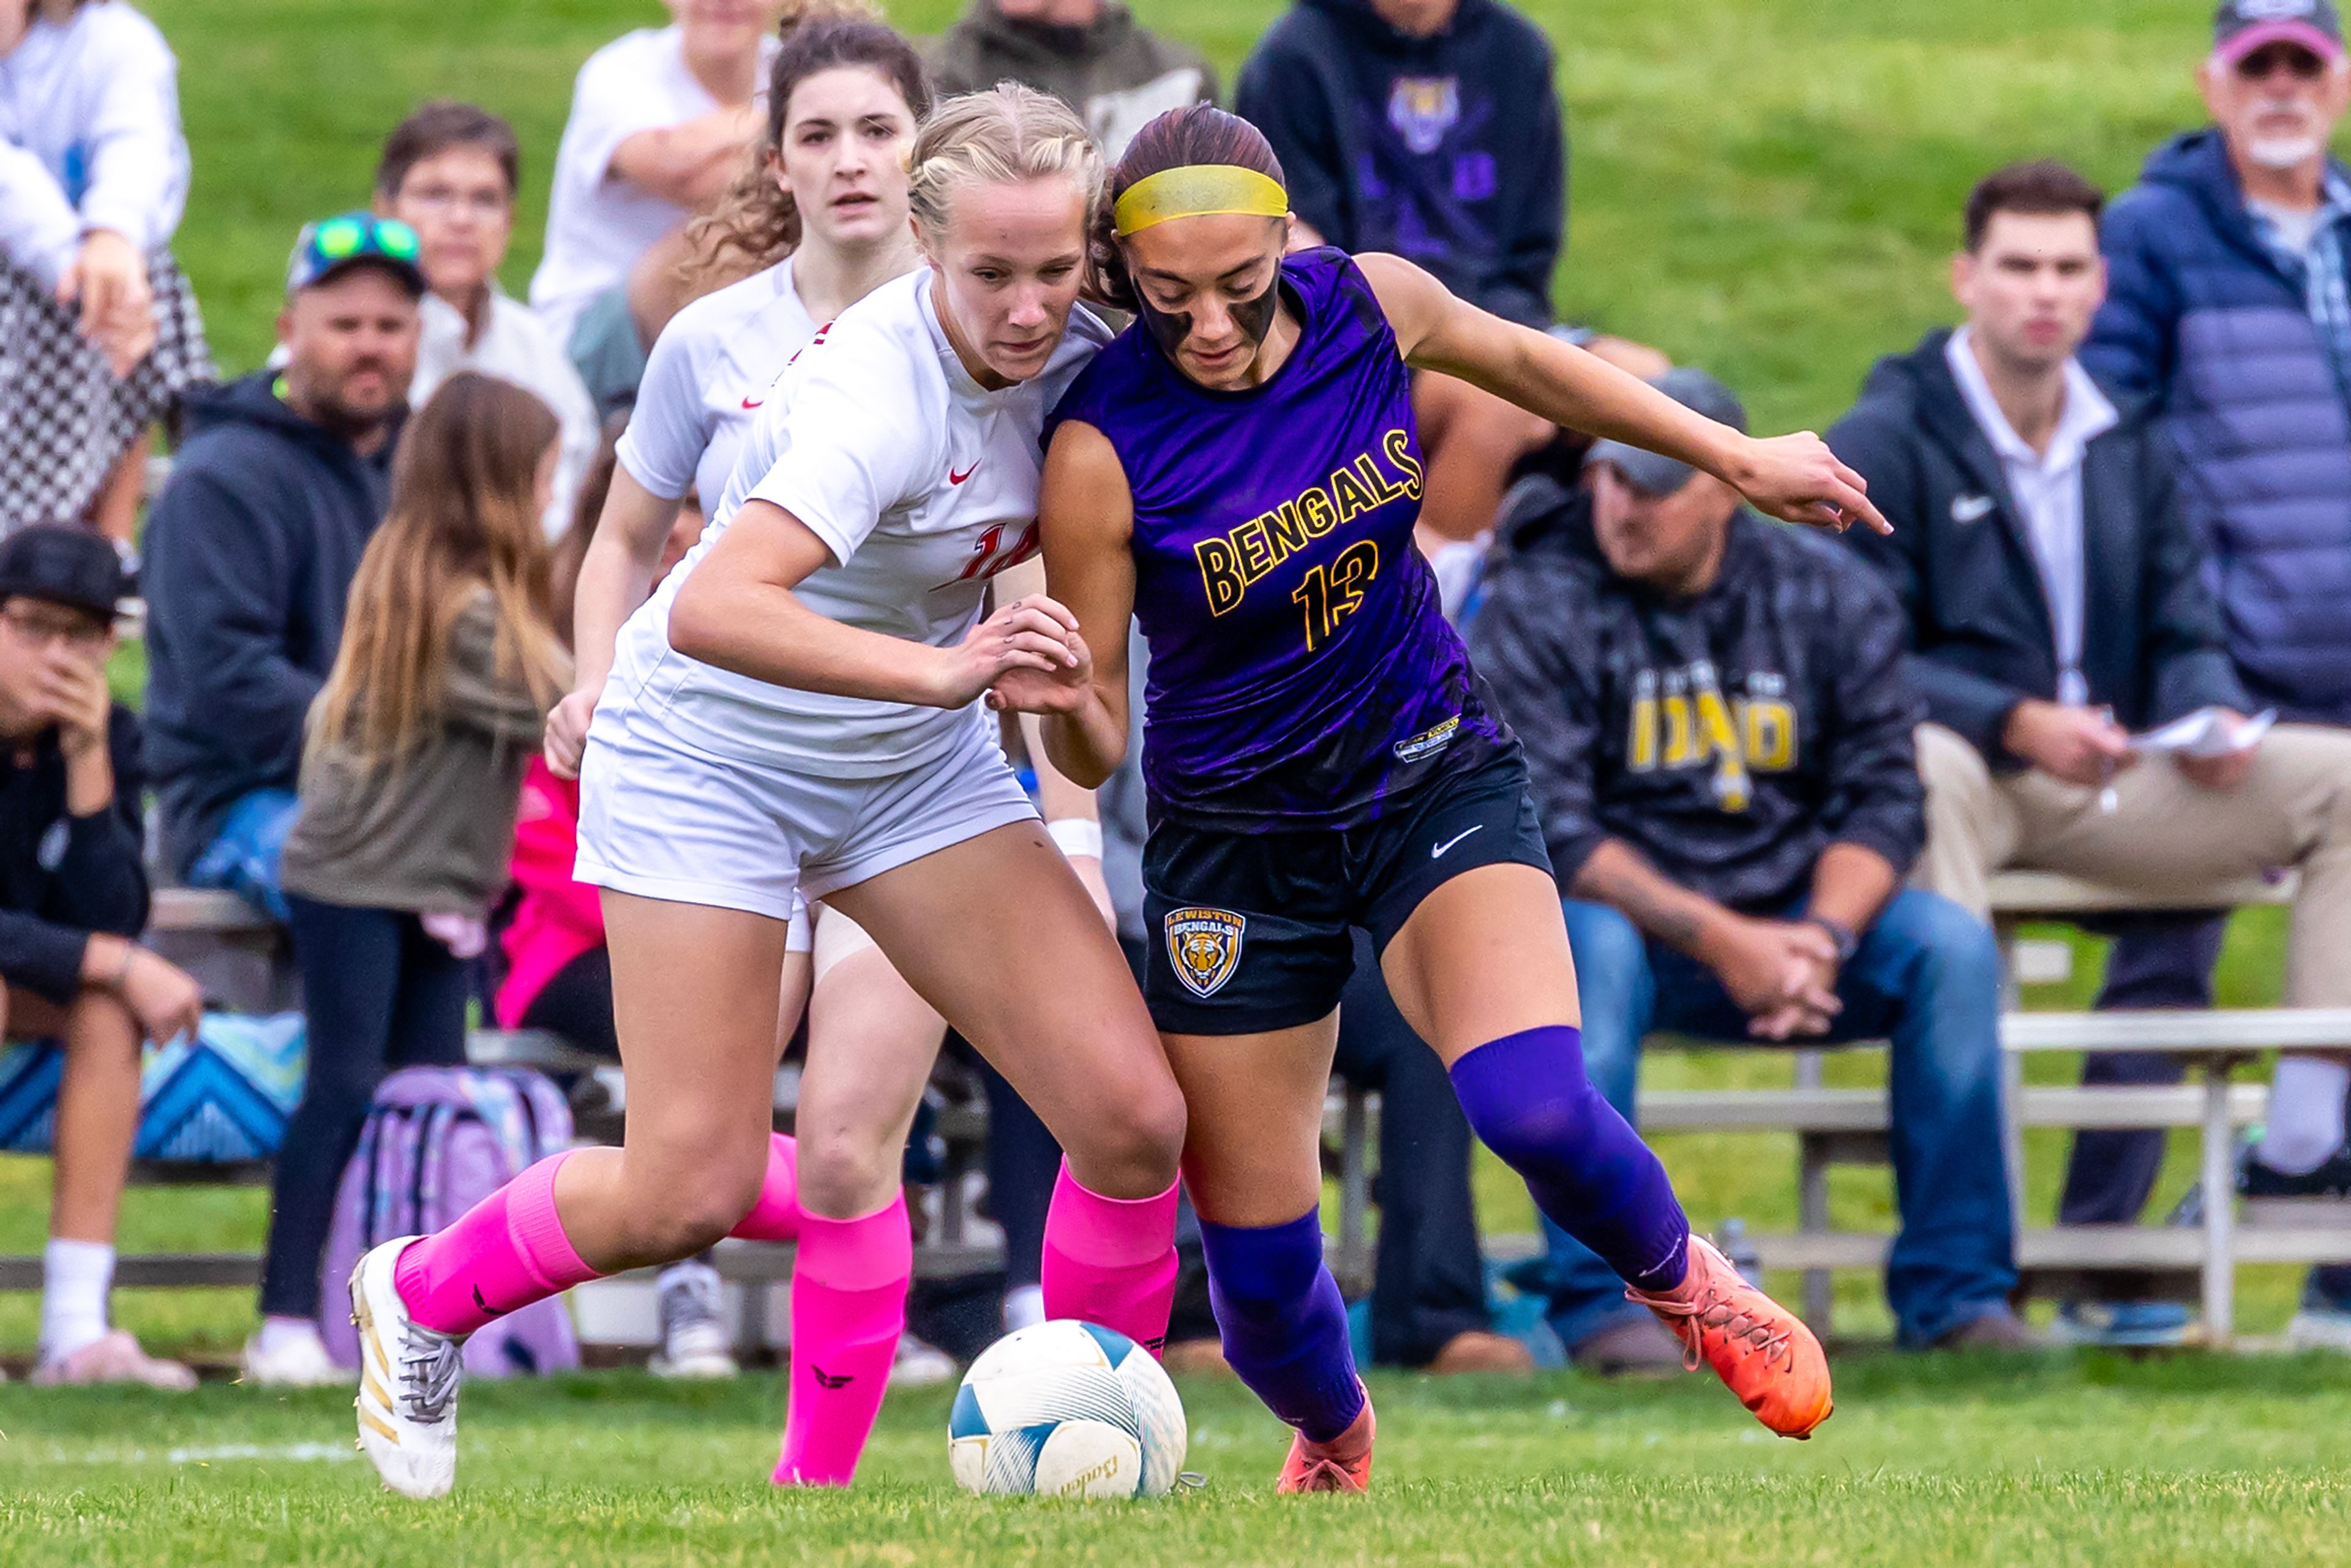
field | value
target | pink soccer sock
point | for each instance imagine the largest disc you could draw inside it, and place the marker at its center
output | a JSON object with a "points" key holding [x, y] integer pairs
{"points": [[849, 1307], [1111, 1260], [776, 1215], [506, 1251]]}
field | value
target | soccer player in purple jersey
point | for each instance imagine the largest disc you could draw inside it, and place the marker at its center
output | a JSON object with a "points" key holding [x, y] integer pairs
{"points": [[1241, 470]]}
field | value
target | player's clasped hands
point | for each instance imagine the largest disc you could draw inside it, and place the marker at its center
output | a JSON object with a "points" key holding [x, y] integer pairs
{"points": [[1027, 657], [1798, 479]]}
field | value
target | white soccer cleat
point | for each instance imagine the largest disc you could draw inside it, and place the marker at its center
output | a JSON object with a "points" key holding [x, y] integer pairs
{"points": [[920, 1365], [291, 1361], [408, 1383], [695, 1341]]}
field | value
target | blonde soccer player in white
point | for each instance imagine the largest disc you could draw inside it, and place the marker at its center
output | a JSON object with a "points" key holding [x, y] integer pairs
{"points": [[820, 220], [797, 712]]}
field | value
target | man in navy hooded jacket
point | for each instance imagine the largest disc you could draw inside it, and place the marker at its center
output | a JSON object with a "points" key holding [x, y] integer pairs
{"points": [[252, 545], [2227, 309]]}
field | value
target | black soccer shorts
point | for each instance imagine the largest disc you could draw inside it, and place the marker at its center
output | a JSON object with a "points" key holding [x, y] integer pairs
{"points": [[1248, 932]]}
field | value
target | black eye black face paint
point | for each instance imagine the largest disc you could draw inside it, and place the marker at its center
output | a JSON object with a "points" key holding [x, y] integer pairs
{"points": [[1168, 328], [1253, 317]]}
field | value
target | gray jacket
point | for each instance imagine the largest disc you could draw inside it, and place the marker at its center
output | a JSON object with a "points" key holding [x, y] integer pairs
{"points": [[433, 834]]}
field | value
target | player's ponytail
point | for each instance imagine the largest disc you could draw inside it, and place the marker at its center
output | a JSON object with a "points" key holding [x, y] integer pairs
{"points": [[1198, 134], [756, 225], [1006, 136]]}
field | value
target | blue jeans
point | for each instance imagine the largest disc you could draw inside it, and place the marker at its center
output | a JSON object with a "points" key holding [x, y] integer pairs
{"points": [[1926, 976], [242, 855]]}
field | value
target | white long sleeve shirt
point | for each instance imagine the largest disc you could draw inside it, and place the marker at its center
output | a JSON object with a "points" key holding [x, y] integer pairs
{"points": [[90, 136], [2047, 487]]}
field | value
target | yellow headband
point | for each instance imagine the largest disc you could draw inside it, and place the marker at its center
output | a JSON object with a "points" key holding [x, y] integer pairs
{"points": [[1198, 190]]}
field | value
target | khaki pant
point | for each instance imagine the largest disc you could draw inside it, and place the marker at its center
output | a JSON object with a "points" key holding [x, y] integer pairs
{"points": [[2166, 838]]}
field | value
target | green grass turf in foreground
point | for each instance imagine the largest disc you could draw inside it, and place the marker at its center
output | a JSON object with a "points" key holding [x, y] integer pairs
{"points": [[1949, 1459]]}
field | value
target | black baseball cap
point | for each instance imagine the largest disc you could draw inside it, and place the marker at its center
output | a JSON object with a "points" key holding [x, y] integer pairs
{"points": [[330, 247], [1651, 473], [2241, 27], [64, 566]]}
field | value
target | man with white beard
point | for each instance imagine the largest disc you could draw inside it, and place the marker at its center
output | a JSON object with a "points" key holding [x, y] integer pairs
{"points": [[2228, 307]]}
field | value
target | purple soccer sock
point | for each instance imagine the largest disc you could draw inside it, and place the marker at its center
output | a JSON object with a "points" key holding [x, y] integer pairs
{"points": [[1284, 1322], [1531, 1102]]}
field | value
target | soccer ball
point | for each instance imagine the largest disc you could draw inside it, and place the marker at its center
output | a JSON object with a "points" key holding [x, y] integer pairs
{"points": [[1066, 1410]]}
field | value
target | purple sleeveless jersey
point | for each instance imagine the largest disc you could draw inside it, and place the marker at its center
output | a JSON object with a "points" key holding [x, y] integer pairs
{"points": [[1302, 674]]}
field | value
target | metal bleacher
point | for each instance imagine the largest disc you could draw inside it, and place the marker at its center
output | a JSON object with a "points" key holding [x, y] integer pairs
{"points": [[1848, 1126], [240, 955]]}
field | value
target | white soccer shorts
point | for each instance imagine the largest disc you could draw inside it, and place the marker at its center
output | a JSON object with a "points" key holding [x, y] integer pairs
{"points": [[660, 820]]}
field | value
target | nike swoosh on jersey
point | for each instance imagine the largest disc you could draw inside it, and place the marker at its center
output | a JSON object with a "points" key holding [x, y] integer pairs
{"points": [[1438, 852], [753, 402], [956, 478]]}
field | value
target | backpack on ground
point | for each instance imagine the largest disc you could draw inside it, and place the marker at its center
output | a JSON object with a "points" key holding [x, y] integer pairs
{"points": [[437, 1141]]}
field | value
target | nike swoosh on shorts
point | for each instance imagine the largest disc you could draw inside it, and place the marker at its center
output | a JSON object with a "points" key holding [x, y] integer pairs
{"points": [[1438, 851]]}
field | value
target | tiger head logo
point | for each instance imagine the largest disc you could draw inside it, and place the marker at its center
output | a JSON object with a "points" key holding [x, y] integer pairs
{"points": [[1205, 946], [1423, 109]]}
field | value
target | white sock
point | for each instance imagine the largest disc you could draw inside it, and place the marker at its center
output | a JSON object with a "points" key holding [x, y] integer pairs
{"points": [[2305, 1120], [277, 1332], [1024, 1307], [75, 1278]]}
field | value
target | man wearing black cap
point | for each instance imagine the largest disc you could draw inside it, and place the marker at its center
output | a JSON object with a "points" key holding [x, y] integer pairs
{"points": [[73, 899], [252, 547], [1719, 732]]}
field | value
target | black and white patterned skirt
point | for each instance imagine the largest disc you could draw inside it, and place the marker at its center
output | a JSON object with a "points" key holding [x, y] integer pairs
{"points": [[66, 419]]}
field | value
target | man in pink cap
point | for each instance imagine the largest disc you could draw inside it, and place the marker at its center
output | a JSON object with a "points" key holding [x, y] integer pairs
{"points": [[2228, 310]]}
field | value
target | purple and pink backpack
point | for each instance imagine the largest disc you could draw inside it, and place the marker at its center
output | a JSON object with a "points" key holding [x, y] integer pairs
{"points": [[437, 1141]]}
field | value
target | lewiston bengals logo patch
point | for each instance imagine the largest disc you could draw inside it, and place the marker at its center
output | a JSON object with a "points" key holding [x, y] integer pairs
{"points": [[1205, 946]]}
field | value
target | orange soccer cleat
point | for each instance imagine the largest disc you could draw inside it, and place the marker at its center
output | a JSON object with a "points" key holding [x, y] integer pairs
{"points": [[1342, 1465], [1760, 1349]]}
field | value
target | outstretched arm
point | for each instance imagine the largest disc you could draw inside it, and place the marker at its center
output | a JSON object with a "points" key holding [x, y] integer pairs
{"points": [[1795, 477], [1085, 516]]}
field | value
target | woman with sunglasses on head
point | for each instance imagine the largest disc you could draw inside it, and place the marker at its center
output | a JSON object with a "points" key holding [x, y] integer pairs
{"points": [[798, 712], [1241, 470]]}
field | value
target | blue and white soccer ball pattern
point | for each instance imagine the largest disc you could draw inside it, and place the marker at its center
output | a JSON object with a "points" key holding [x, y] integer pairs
{"points": [[1066, 1410]]}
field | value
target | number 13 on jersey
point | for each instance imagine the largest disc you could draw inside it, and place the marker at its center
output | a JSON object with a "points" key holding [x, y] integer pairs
{"points": [[1329, 597]]}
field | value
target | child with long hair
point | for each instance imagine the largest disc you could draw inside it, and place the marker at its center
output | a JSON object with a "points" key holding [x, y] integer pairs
{"points": [[412, 768]]}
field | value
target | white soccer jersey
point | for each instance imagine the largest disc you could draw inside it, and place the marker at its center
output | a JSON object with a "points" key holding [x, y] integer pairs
{"points": [[921, 483], [705, 381]]}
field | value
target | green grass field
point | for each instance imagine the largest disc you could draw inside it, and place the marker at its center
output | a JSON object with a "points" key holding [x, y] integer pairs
{"points": [[1926, 1463], [1767, 187]]}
